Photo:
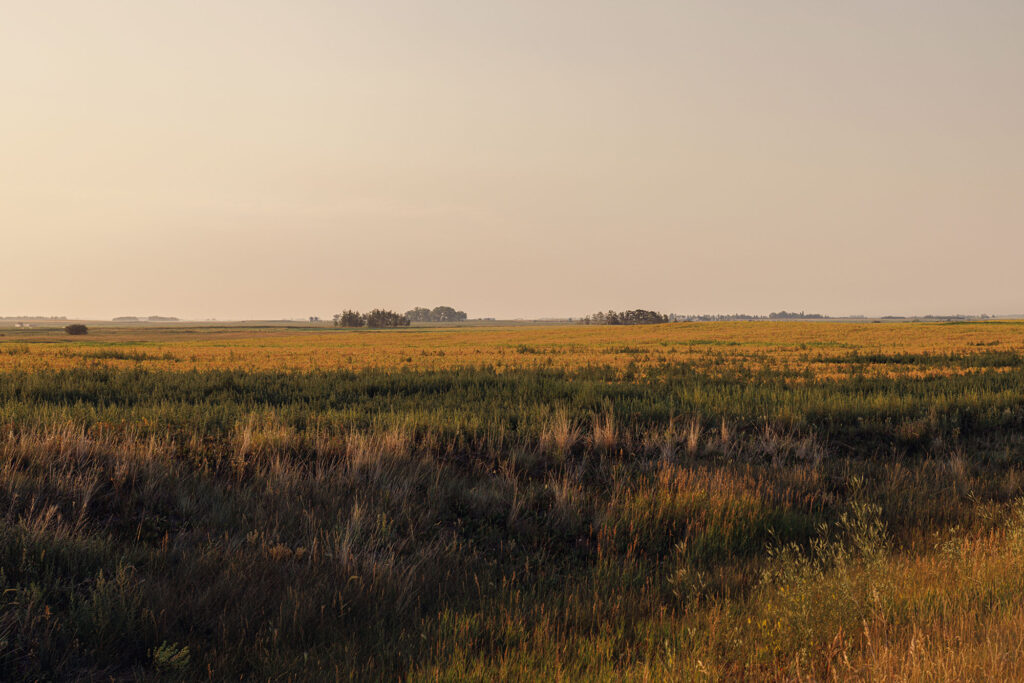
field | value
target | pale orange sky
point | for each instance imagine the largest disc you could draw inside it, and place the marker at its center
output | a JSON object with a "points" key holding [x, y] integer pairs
{"points": [[276, 159]]}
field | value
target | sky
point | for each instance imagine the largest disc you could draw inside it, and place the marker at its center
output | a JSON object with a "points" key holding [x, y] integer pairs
{"points": [[275, 159]]}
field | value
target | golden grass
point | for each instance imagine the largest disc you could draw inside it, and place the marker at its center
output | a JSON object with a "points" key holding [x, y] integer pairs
{"points": [[582, 535], [819, 348]]}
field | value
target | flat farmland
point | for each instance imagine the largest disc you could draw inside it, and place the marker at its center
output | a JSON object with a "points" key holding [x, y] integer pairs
{"points": [[822, 349], [759, 500]]}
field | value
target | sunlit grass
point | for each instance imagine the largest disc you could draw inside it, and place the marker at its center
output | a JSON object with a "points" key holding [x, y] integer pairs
{"points": [[816, 349], [761, 501]]}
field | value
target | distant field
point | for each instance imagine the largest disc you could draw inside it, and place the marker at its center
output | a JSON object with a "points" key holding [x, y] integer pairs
{"points": [[819, 348], [758, 500]]}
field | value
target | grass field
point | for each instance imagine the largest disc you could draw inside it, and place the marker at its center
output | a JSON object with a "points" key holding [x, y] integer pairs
{"points": [[767, 500]]}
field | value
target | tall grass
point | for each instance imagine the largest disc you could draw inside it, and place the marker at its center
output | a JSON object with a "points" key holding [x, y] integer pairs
{"points": [[685, 522]]}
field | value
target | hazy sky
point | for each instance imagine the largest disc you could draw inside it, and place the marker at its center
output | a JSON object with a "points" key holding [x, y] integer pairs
{"points": [[520, 158]]}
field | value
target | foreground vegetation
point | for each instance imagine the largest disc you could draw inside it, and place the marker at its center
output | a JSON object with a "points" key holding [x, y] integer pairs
{"points": [[688, 501]]}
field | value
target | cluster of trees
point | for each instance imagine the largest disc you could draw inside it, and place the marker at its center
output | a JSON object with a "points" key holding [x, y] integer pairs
{"points": [[786, 315], [638, 316], [382, 318], [76, 329], [377, 318], [441, 314]]}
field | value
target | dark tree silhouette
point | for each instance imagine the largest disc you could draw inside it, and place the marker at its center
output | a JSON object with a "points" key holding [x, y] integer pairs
{"points": [[638, 316], [348, 319], [379, 318], [418, 315], [441, 314], [447, 314]]}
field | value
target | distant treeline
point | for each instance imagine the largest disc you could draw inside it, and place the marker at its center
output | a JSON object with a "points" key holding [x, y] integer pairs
{"points": [[441, 314], [377, 318], [786, 315], [637, 316], [380, 318], [640, 316]]}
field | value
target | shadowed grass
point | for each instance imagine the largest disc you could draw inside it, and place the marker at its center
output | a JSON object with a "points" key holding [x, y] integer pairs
{"points": [[683, 522]]}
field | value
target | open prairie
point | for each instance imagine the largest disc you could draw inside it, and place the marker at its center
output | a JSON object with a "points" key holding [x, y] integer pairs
{"points": [[745, 500]]}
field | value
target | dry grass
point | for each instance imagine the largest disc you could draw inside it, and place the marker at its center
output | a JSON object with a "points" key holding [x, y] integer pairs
{"points": [[759, 501], [821, 349]]}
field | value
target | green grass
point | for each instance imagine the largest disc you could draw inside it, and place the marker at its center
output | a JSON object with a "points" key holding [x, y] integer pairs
{"points": [[679, 521]]}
